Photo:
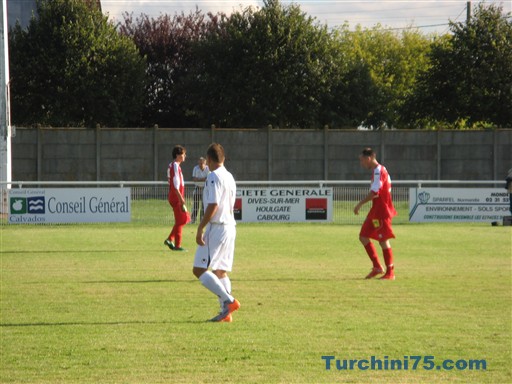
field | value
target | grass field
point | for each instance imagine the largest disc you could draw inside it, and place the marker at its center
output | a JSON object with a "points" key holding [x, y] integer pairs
{"points": [[110, 304]]}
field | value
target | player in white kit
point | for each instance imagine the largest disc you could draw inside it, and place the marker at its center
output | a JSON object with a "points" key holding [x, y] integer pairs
{"points": [[216, 233]]}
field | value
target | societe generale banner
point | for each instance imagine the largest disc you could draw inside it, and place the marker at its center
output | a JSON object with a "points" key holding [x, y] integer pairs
{"points": [[284, 204]]}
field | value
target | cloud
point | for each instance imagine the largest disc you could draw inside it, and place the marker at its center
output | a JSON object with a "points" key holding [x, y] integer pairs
{"points": [[154, 8], [334, 13]]}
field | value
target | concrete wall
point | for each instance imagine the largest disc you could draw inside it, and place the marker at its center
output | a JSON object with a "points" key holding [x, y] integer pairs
{"points": [[71, 154]]}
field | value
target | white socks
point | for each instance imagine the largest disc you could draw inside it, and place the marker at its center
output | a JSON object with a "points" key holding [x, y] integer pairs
{"points": [[227, 284], [216, 286]]}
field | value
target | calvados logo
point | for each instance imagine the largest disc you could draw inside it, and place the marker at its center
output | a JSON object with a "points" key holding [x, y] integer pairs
{"points": [[18, 205], [36, 205], [424, 197], [24, 205]]}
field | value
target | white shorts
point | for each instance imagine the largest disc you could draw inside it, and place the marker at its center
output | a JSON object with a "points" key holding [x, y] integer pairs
{"points": [[219, 250]]}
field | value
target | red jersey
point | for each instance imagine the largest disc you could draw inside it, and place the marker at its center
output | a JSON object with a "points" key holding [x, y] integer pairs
{"points": [[382, 205], [175, 179]]}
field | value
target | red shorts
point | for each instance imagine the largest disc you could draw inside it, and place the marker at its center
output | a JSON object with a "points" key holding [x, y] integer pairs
{"points": [[180, 217], [377, 229]]}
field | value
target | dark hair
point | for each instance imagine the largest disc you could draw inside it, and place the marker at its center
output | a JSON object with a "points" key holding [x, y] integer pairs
{"points": [[178, 150], [368, 152], [216, 153]]}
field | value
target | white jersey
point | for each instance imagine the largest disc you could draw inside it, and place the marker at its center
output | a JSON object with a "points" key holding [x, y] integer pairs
{"points": [[199, 173], [220, 189]]}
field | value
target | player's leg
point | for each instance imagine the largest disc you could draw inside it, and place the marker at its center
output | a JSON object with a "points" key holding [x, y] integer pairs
{"points": [[210, 280], [180, 219], [222, 249], [176, 210], [388, 259], [170, 239], [364, 237], [226, 282], [224, 279], [196, 198], [386, 233]]}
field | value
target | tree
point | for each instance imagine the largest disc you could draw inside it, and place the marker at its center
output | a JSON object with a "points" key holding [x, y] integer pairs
{"points": [[70, 67], [273, 65], [470, 78], [382, 69], [166, 42], [266, 66]]}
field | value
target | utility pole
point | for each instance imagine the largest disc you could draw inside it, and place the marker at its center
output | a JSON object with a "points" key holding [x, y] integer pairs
{"points": [[468, 12], [5, 115]]}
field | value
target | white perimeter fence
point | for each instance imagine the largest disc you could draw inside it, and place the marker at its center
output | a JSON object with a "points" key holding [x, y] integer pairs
{"points": [[149, 198]]}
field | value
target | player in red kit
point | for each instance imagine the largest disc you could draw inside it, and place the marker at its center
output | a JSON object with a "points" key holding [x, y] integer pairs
{"points": [[176, 198], [377, 224]]}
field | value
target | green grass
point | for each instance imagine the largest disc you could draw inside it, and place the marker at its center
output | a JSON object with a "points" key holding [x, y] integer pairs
{"points": [[110, 304]]}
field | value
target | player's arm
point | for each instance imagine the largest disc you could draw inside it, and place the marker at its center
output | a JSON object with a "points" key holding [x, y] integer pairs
{"points": [[374, 190], [176, 182], [180, 196], [369, 197], [182, 201], [208, 214]]}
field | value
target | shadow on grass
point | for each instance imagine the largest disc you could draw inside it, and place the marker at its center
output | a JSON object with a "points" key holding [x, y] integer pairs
{"points": [[195, 281], [92, 323], [86, 251], [156, 281]]}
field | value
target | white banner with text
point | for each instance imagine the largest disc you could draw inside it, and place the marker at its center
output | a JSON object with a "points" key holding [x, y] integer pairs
{"points": [[266, 205], [69, 205], [458, 204]]}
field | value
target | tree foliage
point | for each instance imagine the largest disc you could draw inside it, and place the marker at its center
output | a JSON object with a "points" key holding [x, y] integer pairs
{"points": [[259, 66], [265, 66], [383, 66], [274, 65], [167, 42], [70, 67], [469, 82]]}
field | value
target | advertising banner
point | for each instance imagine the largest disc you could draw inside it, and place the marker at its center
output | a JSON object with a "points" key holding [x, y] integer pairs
{"points": [[458, 204], [284, 205], [69, 205]]}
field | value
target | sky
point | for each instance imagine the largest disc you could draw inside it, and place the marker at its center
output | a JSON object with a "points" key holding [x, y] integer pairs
{"points": [[428, 15]]}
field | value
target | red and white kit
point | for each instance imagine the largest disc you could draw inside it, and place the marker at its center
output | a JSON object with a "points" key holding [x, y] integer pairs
{"points": [[377, 225], [176, 182]]}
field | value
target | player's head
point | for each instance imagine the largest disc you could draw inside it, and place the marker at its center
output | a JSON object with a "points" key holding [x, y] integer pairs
{"points": [[178, 150], [367, 158], [215, 153]]}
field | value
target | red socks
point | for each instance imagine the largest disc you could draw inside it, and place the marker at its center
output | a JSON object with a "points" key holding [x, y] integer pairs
{"points": [[388, 258], [372, 253]]}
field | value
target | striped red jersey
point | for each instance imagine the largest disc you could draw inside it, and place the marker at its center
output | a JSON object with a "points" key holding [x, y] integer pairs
{"points": [[175, 179], [382, 204]]}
